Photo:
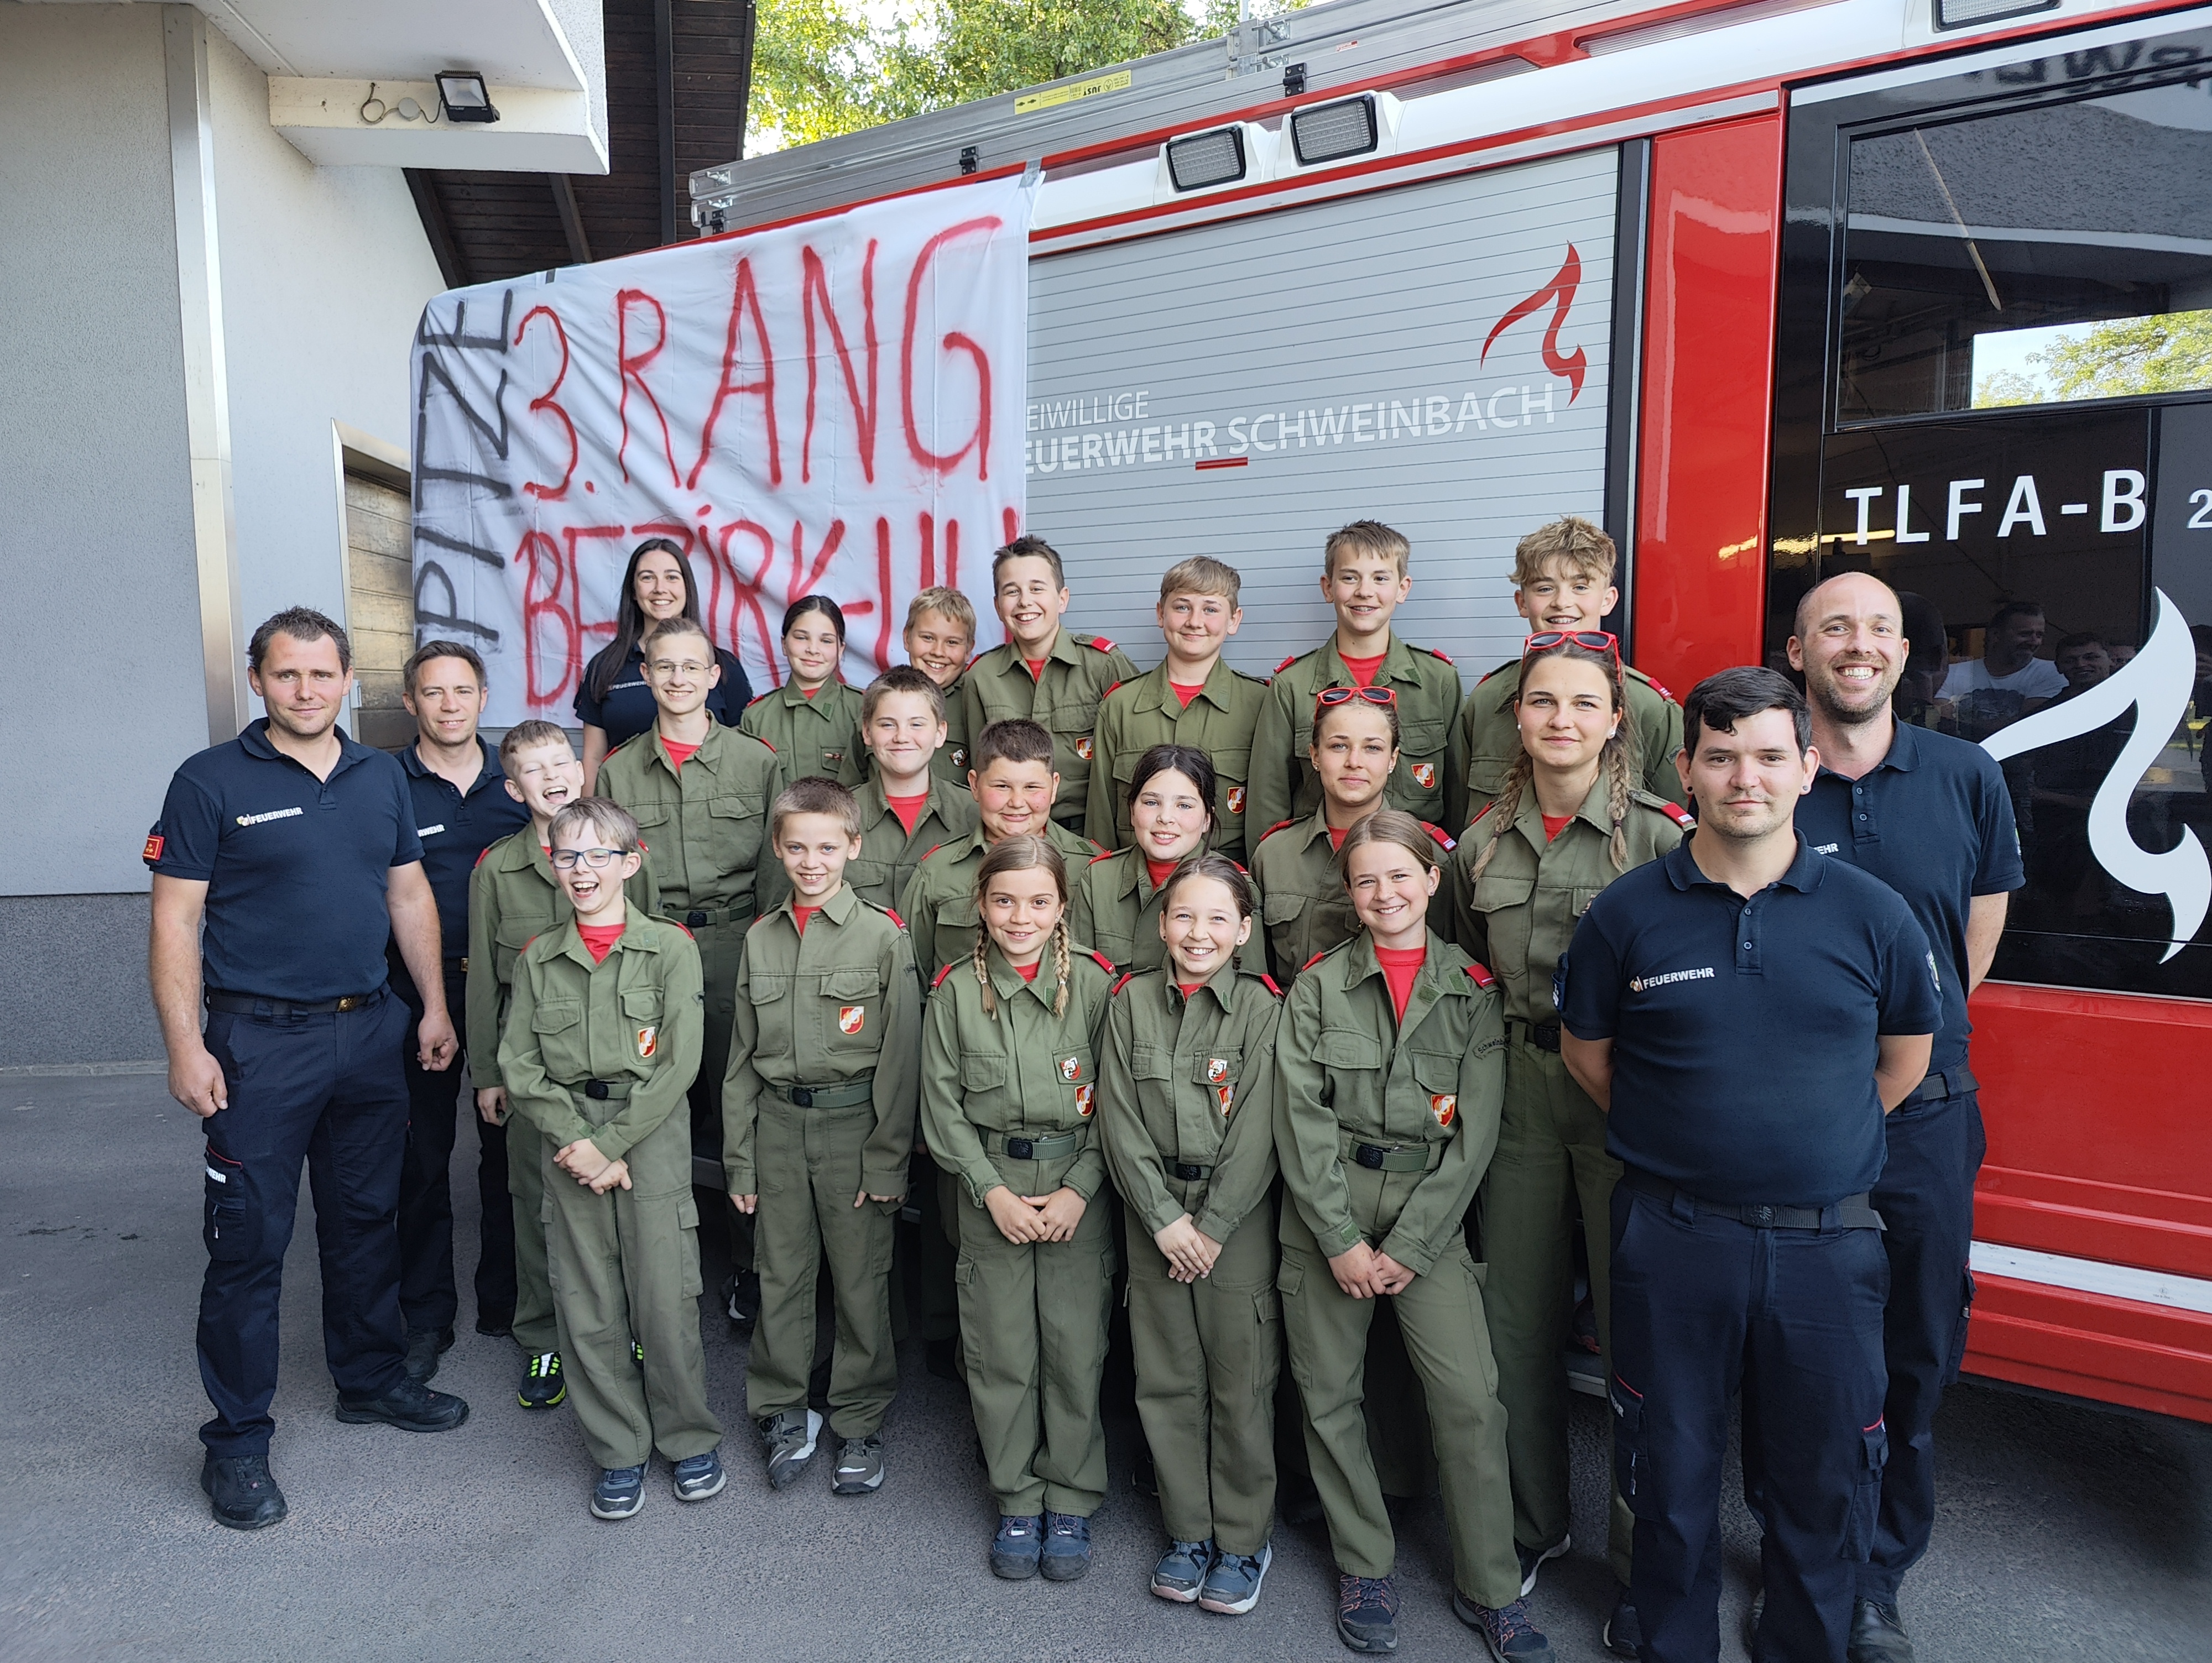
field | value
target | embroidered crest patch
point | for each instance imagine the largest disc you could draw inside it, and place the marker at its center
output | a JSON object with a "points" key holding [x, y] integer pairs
{"points": [[1217, 1069], [1424, 775], [1237, 800], [1226, 1096], [1070, 1067], [648, 1041], [1444, 1107], [850, 1017], [1084, 1095], [1083, 747]]}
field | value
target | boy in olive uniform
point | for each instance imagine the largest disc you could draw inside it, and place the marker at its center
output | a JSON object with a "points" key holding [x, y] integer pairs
{"points": [[905, 809], [1562, 580], [1364, 578], [601, 1044], [939, 639], [1043, 673], [1014, 788], [818, 1125], [513, 898], [700, 792], [1191, 698]]}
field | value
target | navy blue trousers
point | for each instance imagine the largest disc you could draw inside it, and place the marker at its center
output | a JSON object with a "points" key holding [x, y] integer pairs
{"points": [[1704, 1307], [326, 1089], [1926, 1198], [428, 1295]]}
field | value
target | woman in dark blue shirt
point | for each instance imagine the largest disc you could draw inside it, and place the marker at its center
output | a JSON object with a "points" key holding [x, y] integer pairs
{"points": [[612, 700]]}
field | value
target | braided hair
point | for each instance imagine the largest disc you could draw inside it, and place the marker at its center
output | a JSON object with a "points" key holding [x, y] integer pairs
{"points": [[1617, 764], [1021, 854]]}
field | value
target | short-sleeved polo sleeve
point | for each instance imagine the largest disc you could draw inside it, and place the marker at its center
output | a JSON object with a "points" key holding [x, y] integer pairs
{"points": [[1912, 999], [1590, 975], [407, 846], [186, 841], [1998, 869]]}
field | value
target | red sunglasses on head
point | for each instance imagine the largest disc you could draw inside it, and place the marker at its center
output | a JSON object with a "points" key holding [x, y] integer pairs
{"points": [[1345, 695], [1591, 640]]}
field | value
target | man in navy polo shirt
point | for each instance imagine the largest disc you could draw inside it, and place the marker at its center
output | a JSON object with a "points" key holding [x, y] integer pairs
{"points": [[296, 848], [1931, 816], [462, 807], [1746, 1011]]}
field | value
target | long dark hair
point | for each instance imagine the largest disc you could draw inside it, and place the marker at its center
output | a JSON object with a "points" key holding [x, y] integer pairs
{"points": [[630, 621], [1193, 764]]}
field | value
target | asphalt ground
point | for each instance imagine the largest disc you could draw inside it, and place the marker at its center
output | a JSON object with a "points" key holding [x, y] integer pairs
{"points": [[2067, 1531]]}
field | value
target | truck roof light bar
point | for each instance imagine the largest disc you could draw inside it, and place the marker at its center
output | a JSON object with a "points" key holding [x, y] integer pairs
{"points": [[1198, 159], [1329, 132], [1974, 14]]}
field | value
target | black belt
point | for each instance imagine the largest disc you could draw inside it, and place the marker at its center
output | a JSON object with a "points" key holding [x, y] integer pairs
{"points": [[1945, 1083], [1187, 1172], [1041, 1146], [601, 1091], [253, 1004], [698, 917], [1545, 1036], [1853, 1212]]}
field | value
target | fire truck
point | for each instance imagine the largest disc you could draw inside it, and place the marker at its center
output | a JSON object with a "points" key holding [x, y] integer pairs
{"points": [[1771, 288]]}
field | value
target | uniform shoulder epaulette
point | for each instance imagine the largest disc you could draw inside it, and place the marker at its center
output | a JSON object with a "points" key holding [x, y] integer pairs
{"points": [[761, 699], [891, 912], [928, 852], [1445, 840], [1096, 643], [1273, 829], [152, 844], [1101, 960], [1247, 675], [1127, 976], [1477, 821], [1108, 855], [677, 924], [1286, 664], [1110, 692], [1681, 816], [979, 658], [1270, 981], [1480, 973], [941, 974], [1651, 682], [1433, 653], [1315, 959], [527, 946]]}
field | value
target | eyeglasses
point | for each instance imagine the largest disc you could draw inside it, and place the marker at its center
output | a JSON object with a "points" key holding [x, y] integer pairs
{"points": [[597, 860], [1592, 641], [1344, 696], [669, 666]]}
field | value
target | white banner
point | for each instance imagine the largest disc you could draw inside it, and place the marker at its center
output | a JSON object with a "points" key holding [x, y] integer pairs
{"points": [[831, 407]]}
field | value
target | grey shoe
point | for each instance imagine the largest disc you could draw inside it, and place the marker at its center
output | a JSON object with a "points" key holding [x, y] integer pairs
{"points": [[788, 1440], [859, 1466], [699, 1476]]}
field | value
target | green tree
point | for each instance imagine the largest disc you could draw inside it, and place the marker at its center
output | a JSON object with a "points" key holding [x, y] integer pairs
{"points": [[2170, 353]]}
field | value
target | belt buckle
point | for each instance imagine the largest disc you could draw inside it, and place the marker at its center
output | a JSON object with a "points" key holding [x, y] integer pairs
{"points": [[351, 1002], [596, 1090], [1762, 1215], [800, 1097], [695, 919], [1187, 1172], [1021, 1149], [1369, 1155]]}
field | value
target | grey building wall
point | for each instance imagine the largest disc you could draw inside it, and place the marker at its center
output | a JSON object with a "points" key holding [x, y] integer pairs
{"points": [[76, 986]]}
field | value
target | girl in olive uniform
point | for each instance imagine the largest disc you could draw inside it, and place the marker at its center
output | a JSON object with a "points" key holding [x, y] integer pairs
{"points": [[1009, 1087], [1389, 1071], [1568, 820], [1187, 1082], [1116, 909], [1354, 751], [813, 720]]}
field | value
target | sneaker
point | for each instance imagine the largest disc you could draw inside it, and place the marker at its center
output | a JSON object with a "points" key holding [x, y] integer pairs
{"points": [[1624, 1634], [698, 1477], [1878, 1635], [1367, 1613], [1232, 1587], [424, 1347], [859, 1466], [242, 1491], [787, 1439], [619, 1493], [542, 1385], [410, 1405], [1067, 1546], [1181, 1571], [1505, 1630], [745, 1299], [1017, 1548], [1532, 1561]]}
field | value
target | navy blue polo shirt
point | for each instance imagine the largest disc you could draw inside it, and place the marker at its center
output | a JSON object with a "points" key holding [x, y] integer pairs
{"points": [[295, 866], [1934, 820], [456, 829], [1744, 1030], [628, 710]]}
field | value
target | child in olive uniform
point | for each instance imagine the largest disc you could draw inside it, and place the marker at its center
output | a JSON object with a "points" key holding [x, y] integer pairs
{"points": [[1389, 1071], [905, 809], [817, 1124], [812, 722], [514, 897], [1191, 699], [939, 639], [1569, 820], [601, 1044], [1044, 673], [1009, 1087], [1562, 580], [1116, 908], [1187, 1088], [1354, 754], [1364, 578]]}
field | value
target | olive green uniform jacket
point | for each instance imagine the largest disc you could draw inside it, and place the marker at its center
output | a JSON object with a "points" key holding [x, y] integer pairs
{"points": [[889, 854], [1284, 784], [832, 1016], [1486, 739], [1219, 720], [1063, 699], [1114, 910], [939, 903], [816, 737], [625, 1264]]}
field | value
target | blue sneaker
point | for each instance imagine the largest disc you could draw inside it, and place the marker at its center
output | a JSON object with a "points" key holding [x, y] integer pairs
{"points": [[698, 1477], [1367, 1613], [1067, 1546], [1505, 1630], [1015, 1550], [1181, 1570], [619, 1493], [1232, 1587]]}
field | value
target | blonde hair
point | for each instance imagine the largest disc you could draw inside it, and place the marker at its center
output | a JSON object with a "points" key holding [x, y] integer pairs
{"points": [[1201, 574], [814, 795], [1616, 763], [1387, 826], [949, 602], [1022, 854], [1584, 548], [1367, 537]]}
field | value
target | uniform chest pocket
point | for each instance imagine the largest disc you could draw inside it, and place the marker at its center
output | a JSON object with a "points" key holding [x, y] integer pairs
{"points": [[868, 874], [1078, 1075], [981, 1073], [641, 1004], [1152, 1062], [1433, 1071], [1494, 893], [1077, 715], [960, 912], [738, 805], [1217, 1068], [1421, 738], [1346, 1048], [648, 814], [767, 989], [1232, 766], [1280, 907], [858, 982], [1579, 899], [558, 1025]]}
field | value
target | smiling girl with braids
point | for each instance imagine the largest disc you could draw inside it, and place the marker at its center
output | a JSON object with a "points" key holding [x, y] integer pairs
{"points": [[1570, 819]]}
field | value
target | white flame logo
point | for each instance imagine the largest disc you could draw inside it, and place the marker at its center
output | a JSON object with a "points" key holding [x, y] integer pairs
{"points": [[2157, 682]]}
